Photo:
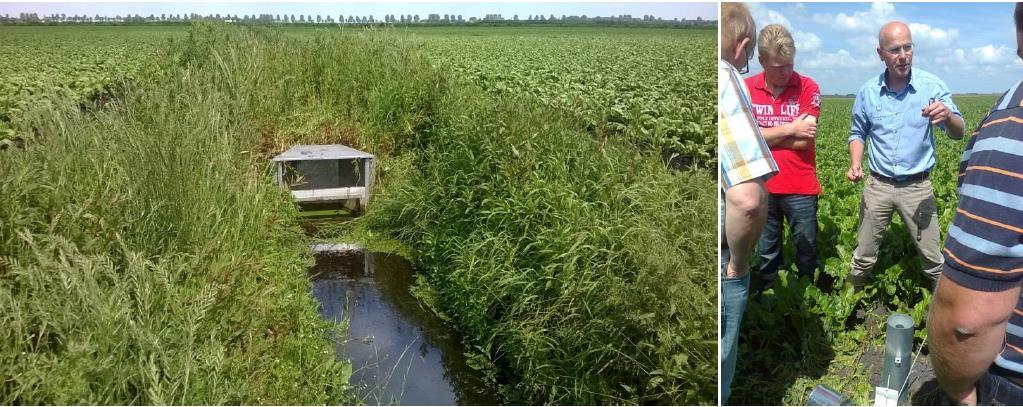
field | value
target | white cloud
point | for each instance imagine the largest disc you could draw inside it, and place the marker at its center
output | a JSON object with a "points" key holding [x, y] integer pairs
{"points": [[840, 59], [764, 16], [851, 23], [774, 17], [928, 36], [865, 44], [882, 9], [806, 42], [985, 57], [860, 21], [990, 55]]}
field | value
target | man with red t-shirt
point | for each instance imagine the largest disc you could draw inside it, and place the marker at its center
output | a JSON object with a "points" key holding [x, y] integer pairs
{"points": [[787, 106]]}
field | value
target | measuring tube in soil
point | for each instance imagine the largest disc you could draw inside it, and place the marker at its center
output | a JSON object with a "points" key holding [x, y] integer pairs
{"points": [[898, 350]]}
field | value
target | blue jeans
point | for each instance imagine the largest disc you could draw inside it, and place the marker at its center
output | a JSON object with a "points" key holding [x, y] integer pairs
{"points": [[994, 389], [801, 213], [734, 292]]}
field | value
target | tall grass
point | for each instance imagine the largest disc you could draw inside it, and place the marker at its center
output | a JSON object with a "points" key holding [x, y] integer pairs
{"points": [[147, 258], [581, 269]]}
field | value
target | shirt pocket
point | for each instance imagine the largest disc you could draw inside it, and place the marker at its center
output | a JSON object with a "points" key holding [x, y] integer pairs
{"points": [[884, 121]]}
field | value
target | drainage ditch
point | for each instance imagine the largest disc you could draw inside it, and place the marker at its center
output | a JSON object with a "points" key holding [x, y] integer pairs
{"points": [[401, 353]]}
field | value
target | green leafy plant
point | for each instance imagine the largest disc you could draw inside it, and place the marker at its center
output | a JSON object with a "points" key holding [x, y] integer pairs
{"points": [[849, 323]]}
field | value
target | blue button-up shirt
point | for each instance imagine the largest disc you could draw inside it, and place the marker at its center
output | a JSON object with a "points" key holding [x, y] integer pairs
{"points": [[900, 139]]}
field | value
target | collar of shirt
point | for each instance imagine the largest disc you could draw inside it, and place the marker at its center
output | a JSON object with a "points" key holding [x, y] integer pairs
{"points": [[884, 85], [760, 82], [725, 65]]}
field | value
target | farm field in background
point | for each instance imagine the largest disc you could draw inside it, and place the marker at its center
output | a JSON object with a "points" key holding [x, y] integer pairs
{"points": [[543, 223], [80, 63], [795, 335], [654, 87]]}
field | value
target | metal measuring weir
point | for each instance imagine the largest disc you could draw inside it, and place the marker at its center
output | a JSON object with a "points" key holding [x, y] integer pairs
{"points": [[329, 173]]}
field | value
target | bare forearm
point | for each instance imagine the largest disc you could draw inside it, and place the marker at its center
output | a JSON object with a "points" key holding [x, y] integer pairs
{"points": [[956, 127], [795, 144], [745, 213], [777, 134], [856, 153], [966, 329]]}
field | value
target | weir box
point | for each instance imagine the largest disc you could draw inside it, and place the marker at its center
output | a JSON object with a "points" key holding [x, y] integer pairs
{"points": [[329, 173]]}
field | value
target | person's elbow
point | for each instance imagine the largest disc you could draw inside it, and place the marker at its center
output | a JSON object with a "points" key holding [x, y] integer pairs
{"points": [[966, 324], [958, 314]]}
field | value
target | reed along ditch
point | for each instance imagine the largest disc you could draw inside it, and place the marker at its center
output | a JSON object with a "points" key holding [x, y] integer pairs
{"points": [[401, 353]]}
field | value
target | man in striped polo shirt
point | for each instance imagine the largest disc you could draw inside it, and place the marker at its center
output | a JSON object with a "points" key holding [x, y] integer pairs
{"points": [[976, 317], [895, 113]]}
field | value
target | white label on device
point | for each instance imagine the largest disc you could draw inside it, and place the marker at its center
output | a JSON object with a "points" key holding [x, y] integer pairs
{"points": [[885, 397]]}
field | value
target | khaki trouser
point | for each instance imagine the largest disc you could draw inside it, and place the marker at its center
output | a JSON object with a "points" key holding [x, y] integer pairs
{"points": [[916, 205]]}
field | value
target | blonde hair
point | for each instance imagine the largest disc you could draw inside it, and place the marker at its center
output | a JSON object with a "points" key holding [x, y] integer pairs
{"points": [[737, 23], [776, 41]]}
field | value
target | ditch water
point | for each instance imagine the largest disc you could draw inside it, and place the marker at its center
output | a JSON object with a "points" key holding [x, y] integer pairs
{"points": [[401, 353]]}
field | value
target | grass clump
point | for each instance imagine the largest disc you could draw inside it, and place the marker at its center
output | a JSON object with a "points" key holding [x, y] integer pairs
{"points": [[147, 262], [580, 270], [146, 256]]}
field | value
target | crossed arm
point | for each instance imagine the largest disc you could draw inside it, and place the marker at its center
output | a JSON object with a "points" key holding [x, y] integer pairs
{"points": [[796, 135]]}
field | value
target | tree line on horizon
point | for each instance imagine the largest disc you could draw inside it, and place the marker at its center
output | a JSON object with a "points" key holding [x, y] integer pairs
{"points": [[430, 19]]}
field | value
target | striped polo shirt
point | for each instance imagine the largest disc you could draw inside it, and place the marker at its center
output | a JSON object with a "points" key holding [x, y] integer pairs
{"points": [[984, 248]]}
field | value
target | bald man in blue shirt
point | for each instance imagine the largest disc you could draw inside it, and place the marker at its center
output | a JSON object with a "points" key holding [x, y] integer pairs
{"points": [[895, 113]]}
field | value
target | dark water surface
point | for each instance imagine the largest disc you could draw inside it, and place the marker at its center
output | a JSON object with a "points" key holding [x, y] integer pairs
{"points": [[401, 353]]}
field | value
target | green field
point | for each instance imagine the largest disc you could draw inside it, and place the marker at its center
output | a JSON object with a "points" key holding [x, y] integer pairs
{"points": [[79, 63], [795, 336], [147, 258], [652, 87]]}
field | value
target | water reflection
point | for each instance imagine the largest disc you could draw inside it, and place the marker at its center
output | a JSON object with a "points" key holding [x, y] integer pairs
{"points": [[401, 352]]}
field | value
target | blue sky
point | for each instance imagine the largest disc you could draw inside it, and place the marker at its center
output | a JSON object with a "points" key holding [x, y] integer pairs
{"points": [[971, 46], [377, 9]]}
